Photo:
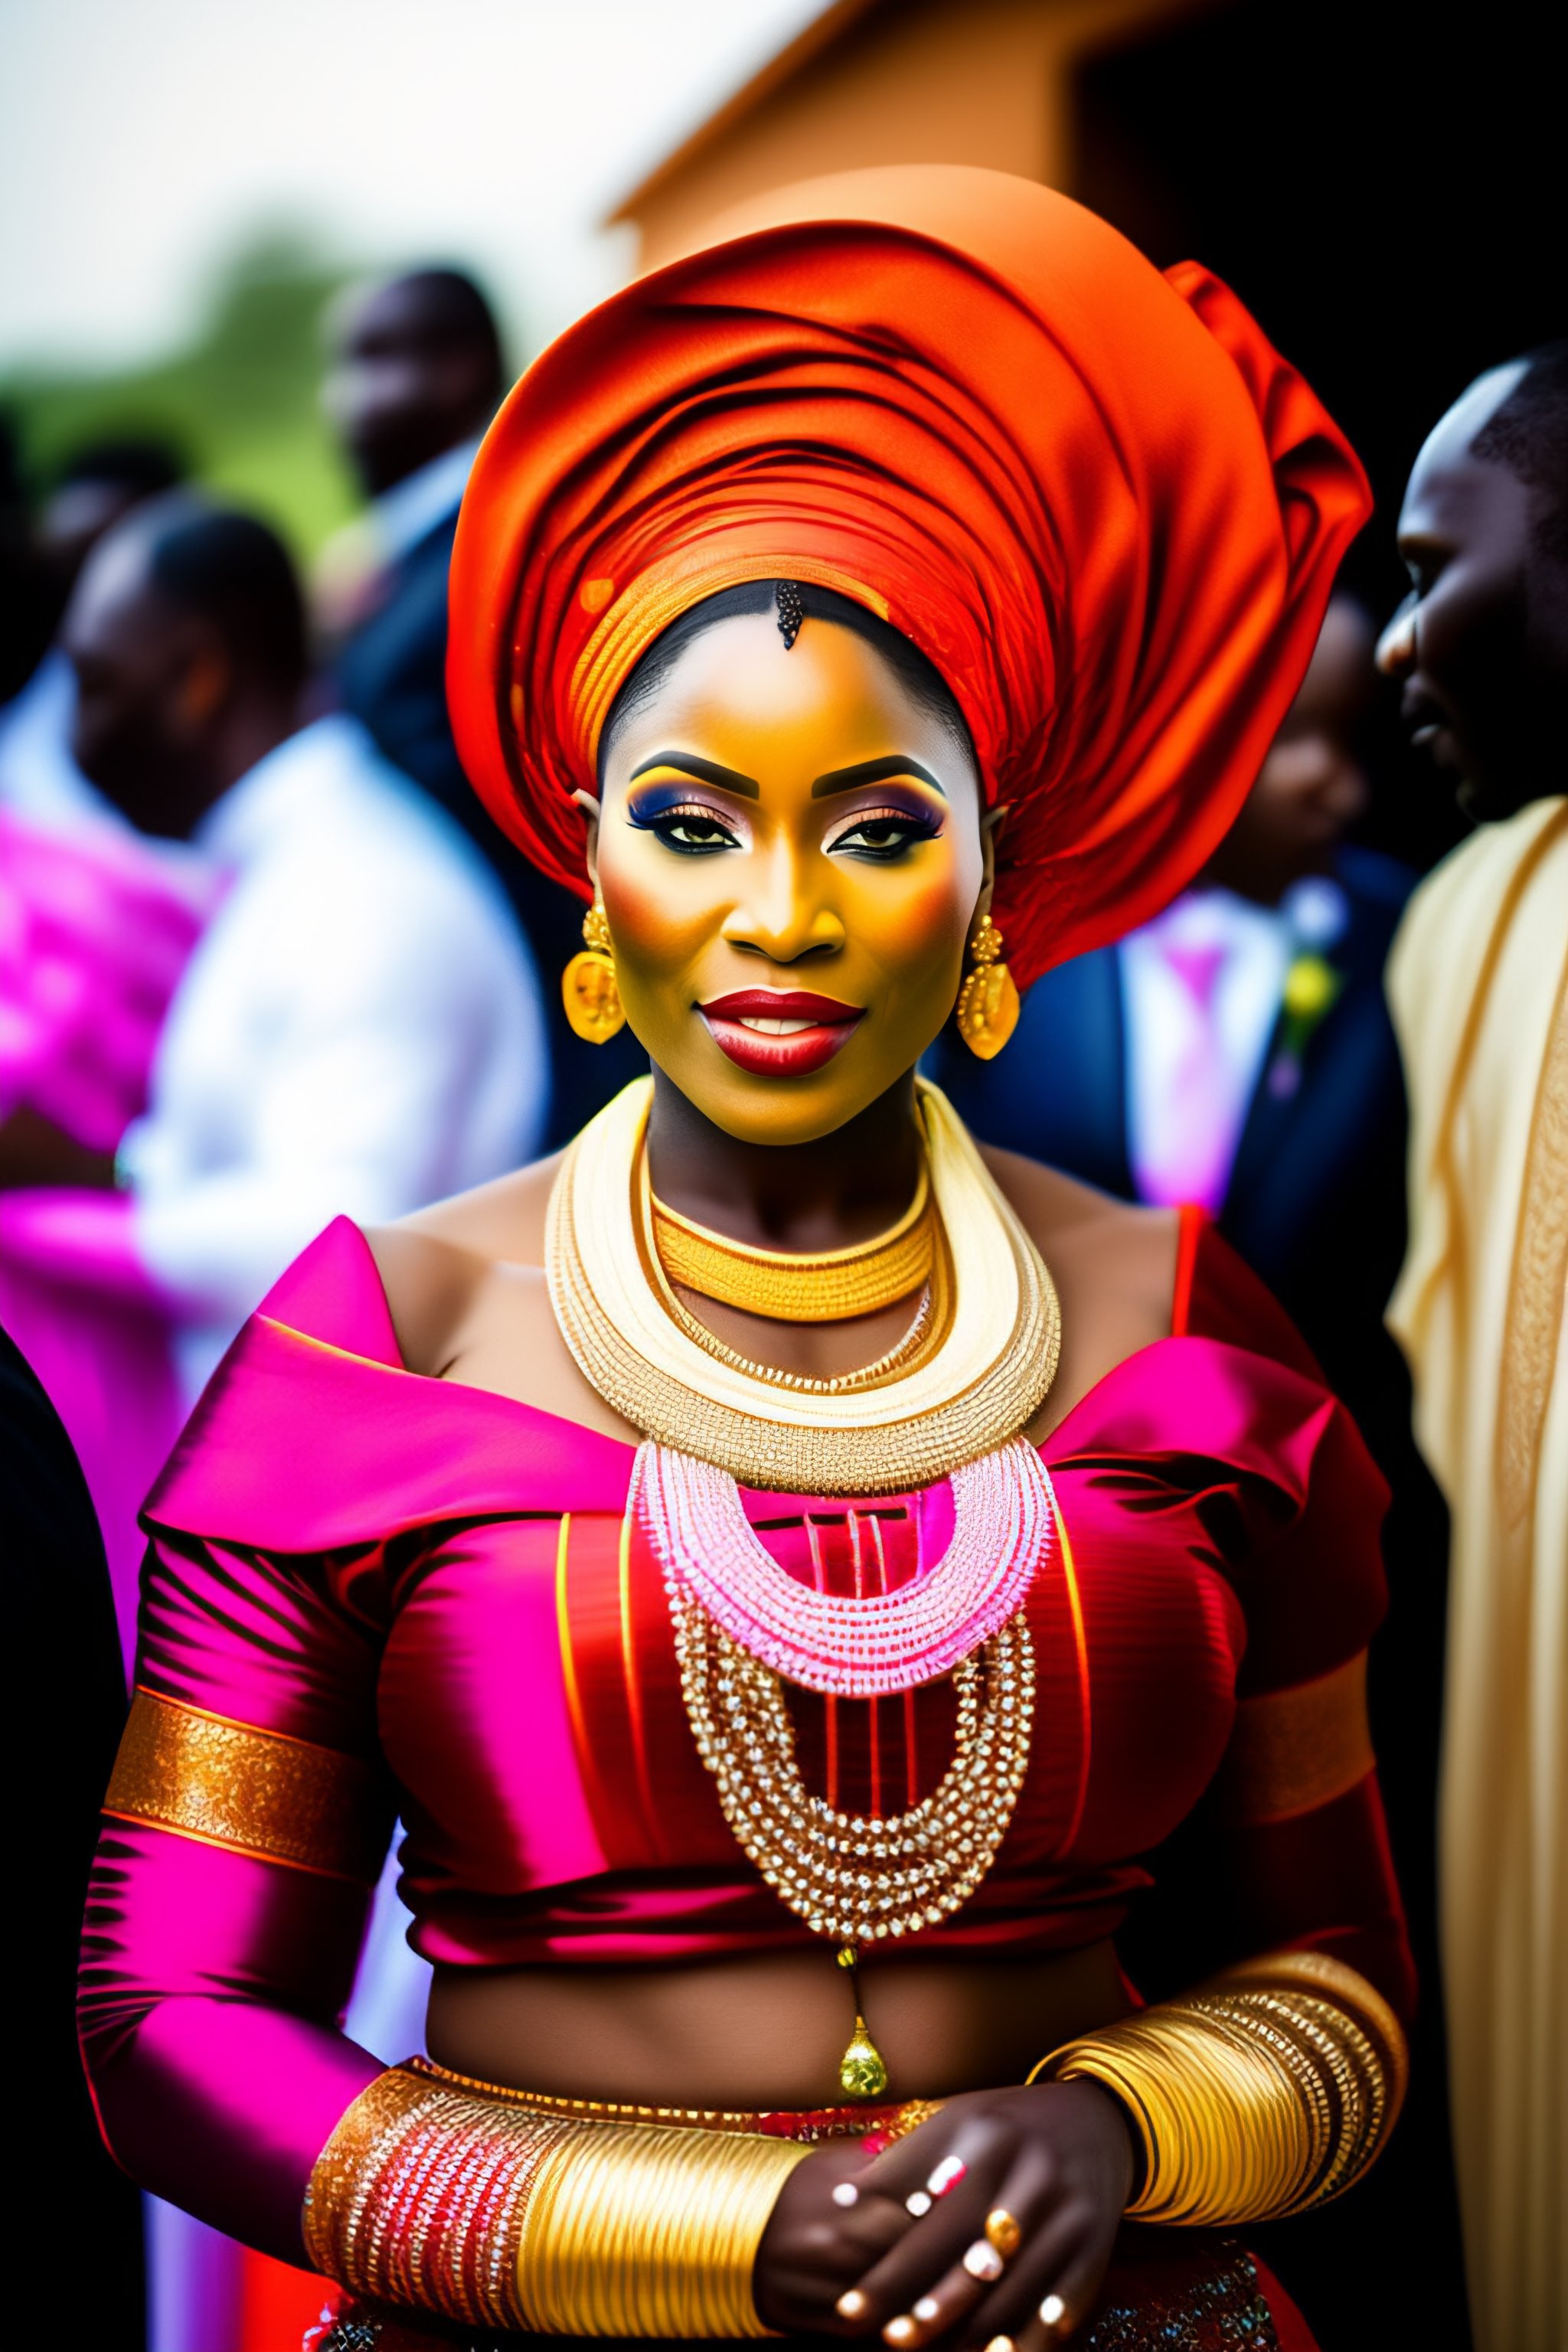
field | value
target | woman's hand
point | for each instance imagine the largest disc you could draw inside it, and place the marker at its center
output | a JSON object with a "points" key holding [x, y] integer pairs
{"points": [[1057, 2158], [819, 2245]]}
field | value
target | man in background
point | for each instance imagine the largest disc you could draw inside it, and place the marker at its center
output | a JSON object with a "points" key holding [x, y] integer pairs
{"points": [[95, 489], [1237, 1051], [416, 374], [357, 1030], [1479, 983]]}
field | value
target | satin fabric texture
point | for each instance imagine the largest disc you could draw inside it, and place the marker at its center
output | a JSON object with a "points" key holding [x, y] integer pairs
{"points": [[436, 1589], [1094, 496], [1478, 987]]}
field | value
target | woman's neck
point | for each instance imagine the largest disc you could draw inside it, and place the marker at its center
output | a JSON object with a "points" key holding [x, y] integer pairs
{"points": [[840, 1188]]}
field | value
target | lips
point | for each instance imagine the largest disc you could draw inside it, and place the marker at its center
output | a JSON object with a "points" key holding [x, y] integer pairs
{"points": [[780, 1033]]}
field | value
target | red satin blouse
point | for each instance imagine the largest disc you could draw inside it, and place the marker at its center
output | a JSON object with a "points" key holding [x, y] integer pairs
{"points": [[437, 1590]]}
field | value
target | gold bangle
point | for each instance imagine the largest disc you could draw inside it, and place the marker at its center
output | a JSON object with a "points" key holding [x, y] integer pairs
{"points": [[1268, 2090], [502, 2216]]}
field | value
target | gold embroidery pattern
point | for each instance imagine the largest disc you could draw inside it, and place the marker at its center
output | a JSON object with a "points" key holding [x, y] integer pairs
{"points": [[1293, 1749], [1540, 1272], [228, 1784]]}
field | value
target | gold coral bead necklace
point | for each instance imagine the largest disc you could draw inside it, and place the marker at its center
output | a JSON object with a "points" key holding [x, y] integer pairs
{"points": [[800, 1286]]}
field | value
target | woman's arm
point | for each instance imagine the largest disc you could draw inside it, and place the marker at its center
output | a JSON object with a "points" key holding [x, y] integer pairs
{"points": [[245, 1827]]}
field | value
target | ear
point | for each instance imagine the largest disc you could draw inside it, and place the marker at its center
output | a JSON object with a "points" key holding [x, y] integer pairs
{"points": [[991, 826], [590, 808], [205, 687]]}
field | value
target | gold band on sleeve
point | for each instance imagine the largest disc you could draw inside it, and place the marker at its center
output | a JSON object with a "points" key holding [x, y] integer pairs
{"points": [[1268, 2090], [1293, 1749], [260, 1792], [504, 2216]]}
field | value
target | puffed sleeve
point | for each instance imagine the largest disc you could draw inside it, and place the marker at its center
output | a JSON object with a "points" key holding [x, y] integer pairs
{"points": [[245, 1827]]}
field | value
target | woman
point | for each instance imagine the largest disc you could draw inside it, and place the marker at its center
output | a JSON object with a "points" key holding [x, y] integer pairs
{"points": [[786, 1569]]}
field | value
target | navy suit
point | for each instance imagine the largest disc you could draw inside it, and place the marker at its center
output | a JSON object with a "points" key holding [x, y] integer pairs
{"points": [[1316, 1206], [392, 674], [1316, 1200]]}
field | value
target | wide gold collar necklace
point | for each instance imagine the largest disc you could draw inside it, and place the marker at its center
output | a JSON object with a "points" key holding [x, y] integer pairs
{"points": [[976, 1386]]}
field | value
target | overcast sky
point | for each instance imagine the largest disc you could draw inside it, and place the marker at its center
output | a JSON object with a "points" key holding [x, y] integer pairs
{"points": [[140, 141]]}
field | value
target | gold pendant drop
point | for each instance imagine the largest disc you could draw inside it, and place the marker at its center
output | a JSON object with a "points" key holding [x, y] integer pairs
{"points": [[862, 2070]]}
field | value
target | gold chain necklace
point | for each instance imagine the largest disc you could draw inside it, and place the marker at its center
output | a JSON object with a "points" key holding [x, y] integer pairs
{"points": [[853, 1876], [793, 1287], [977, 1385]]}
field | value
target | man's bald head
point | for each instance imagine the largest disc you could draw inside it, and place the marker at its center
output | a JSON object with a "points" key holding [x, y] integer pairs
{"points": [[187, 635], [415, 369], [1480, 645]]}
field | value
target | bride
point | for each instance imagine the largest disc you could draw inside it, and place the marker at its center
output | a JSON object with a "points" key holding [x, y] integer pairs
{"points": [[795, 1573]]}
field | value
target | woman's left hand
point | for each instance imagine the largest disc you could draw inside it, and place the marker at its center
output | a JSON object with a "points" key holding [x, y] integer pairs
{"points": [[1057, 2158]]}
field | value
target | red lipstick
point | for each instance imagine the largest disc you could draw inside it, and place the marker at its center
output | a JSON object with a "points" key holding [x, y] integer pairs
{"points": [[802, 1032]]}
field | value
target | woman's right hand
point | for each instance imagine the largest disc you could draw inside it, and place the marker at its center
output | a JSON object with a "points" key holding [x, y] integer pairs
{"points": [[814, 2250]]}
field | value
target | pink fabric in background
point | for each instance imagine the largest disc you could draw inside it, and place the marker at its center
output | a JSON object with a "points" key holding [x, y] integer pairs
{"points": [[96, 929]]}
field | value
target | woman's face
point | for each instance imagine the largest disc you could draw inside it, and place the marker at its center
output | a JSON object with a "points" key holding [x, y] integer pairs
{"points": [[790, 852]]}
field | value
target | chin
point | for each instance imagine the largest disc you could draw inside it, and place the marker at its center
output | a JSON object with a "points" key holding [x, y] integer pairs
{"points": [[780, 1116], [1486, 800]]}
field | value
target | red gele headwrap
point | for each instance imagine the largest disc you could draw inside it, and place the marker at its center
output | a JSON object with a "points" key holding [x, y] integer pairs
{"points": [[1095, 496]]}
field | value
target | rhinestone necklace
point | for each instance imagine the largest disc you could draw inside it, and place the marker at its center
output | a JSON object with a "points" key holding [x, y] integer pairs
{"points": [[855, 1877]]}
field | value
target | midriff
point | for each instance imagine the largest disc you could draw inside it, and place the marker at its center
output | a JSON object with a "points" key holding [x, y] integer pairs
{"points": [[765, 2030]]}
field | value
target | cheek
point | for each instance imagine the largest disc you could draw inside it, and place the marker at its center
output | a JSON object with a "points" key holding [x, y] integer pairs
{"points": [[661, 915], [914, 926]]}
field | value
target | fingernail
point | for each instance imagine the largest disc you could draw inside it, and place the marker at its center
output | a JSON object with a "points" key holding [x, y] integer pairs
{"points": [[847, 2194], [982, 2261], [948, 2175], [851, 2303], [1000, 2344], [900, 2332], [1053, 2311], [927, 2309], [917, 2203]]}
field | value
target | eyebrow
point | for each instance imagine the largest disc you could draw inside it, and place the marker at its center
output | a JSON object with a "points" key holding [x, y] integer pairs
{"points": [[706, 772], [873, 772]]}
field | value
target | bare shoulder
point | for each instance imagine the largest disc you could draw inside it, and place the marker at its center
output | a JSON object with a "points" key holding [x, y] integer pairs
{"points": [[1114, 1266], [435, 1263], [465, 1281]]}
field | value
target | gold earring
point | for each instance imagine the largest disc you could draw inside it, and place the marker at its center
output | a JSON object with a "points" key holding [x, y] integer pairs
{"points": [[588, 985], [988, 1001]]}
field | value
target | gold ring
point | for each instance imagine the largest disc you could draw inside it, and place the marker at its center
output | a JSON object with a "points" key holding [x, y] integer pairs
{"points": [[1004, 2232]]}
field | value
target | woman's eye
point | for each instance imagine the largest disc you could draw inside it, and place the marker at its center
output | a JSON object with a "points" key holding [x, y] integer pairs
{"points": [[694, 832], [885, 833]]}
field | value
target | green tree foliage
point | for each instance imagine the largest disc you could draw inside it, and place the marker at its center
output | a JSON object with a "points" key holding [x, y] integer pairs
{"points": [[241, 402]]}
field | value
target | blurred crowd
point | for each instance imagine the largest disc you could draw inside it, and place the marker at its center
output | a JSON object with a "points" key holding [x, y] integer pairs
{"points": [[264, 961]]}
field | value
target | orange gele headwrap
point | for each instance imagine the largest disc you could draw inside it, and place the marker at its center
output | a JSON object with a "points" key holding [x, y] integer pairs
{"points": [[1094, 496]]}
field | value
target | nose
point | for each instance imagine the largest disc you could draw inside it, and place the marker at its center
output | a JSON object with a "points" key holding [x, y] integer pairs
{"points": [[781, 916], [1396, 655]]}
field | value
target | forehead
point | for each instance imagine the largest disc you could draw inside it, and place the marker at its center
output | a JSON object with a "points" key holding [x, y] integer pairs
{"points": [[831, 698], [114, 599], [1452, 492], [392, 315]]}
